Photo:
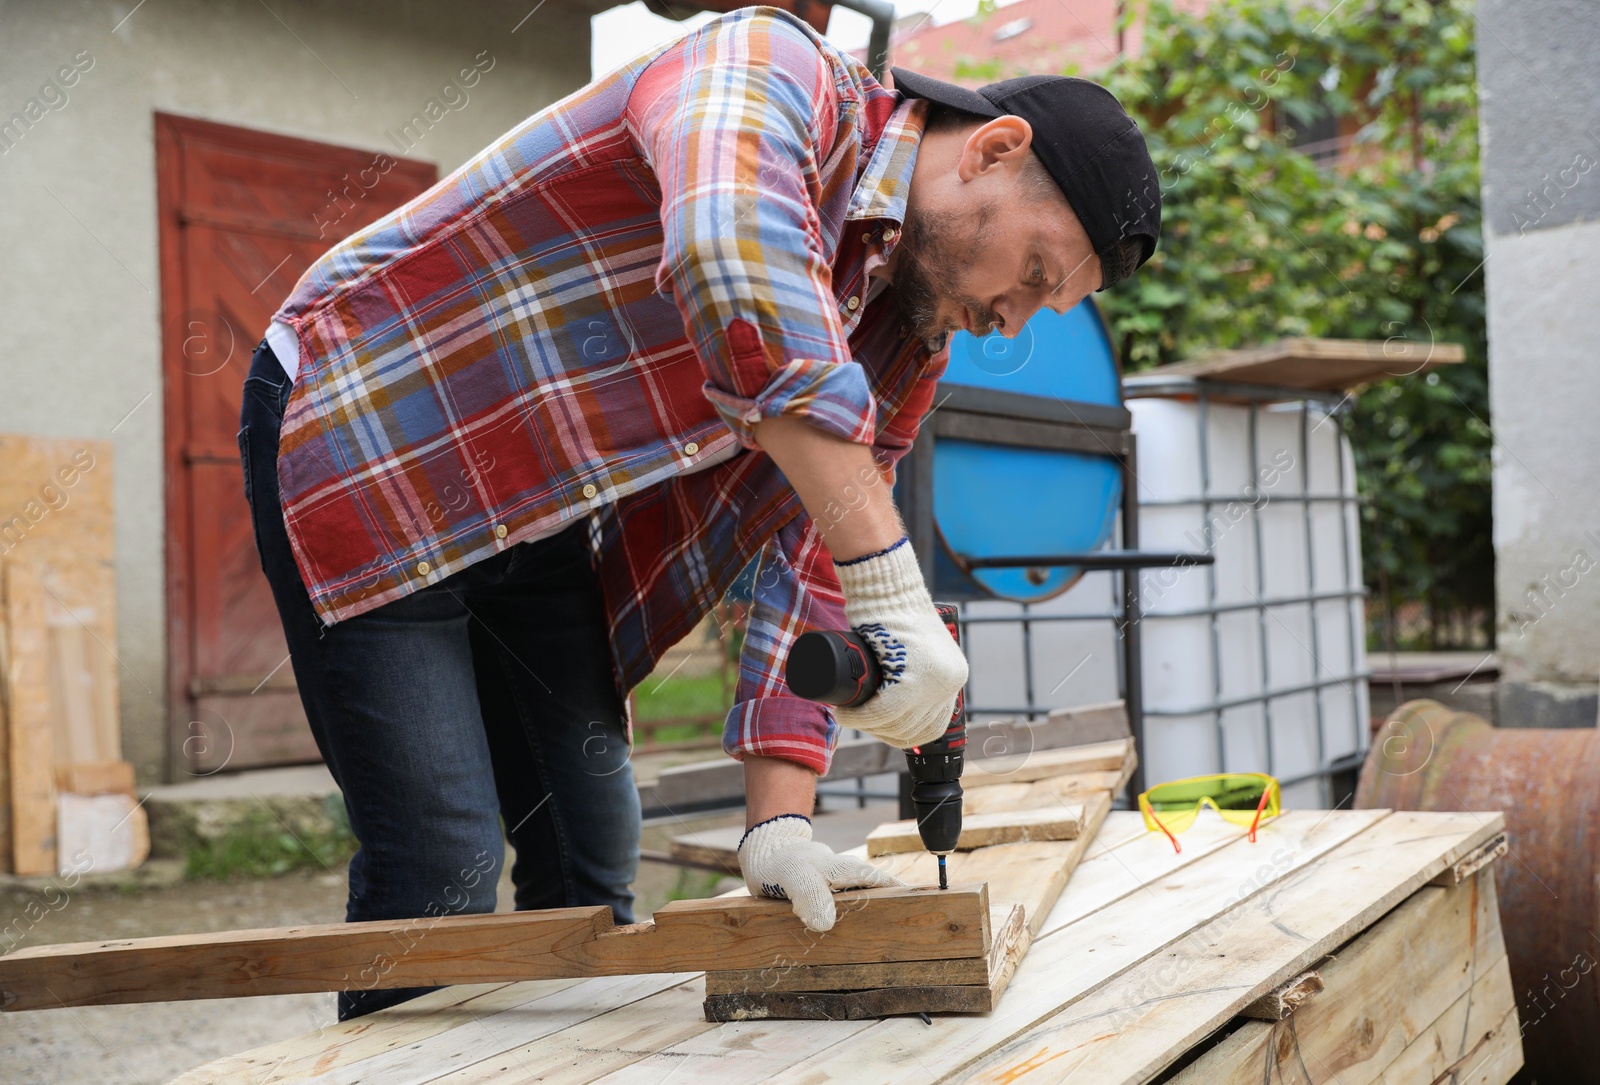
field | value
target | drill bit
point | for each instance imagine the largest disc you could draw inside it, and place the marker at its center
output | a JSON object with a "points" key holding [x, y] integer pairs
{"points": [[944, 880]]}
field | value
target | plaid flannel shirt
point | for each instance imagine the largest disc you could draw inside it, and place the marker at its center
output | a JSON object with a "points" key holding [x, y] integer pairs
{"points": [[571, 323]]}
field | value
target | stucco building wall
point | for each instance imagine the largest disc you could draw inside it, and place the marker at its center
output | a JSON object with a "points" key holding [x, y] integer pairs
{"points": [[1541, 184], [79, 280]]}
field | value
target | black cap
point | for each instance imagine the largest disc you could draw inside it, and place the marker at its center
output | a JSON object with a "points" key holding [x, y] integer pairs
{"points": [[1087, 142]]}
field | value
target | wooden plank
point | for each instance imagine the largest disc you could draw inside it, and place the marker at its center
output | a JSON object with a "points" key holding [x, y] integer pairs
{"points": [[1162, 1007], [984, 830], [431, 1036], [873, 925], [1330, 365], [708, 781], [589, 1049], [1089, 888], [1383, 989], [55, 513], [1475, 862], [1283, 1000], [1055, 791], [889, 992], [716, 848], [1029, 874], [1476, 1042], [1070, 963], [1143, 861], [27, 700], [95, 778], [346, 1043], [849, 1050], [1039, 765], [753, 1050]]}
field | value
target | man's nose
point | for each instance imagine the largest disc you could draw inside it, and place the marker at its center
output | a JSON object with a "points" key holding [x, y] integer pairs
{"points": [[1013, 317]]}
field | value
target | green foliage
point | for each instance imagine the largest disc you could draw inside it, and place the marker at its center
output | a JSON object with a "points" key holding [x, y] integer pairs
{"points": [[1260, 241], [261, 845], [680, 697], [694, 884]]}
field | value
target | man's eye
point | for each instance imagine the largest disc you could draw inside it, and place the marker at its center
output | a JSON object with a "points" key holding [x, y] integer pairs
{"points": [[1038, 274]]}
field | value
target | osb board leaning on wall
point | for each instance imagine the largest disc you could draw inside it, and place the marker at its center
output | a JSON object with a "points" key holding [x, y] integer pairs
{"points": [[59, 637]]}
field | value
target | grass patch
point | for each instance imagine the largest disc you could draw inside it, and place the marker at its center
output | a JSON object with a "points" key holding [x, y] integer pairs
{"points": [[259, 845], [679, 697], [694, 884]]}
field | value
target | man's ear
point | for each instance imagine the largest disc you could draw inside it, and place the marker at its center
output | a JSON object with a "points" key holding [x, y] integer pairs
{"points": [[1000, 144]]}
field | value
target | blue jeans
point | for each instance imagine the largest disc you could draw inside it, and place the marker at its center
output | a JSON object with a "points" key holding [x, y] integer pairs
{"points": [[485, 696]]}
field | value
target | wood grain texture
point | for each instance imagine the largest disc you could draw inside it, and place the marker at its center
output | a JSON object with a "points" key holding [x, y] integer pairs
{"points": [[1131, 899], [1071, 963], [1381, 992], [984, 830], [95, 778], [987, 741], [1030, 874], [1164, 1006], [83, 683], [873, 925], [27, 702], [1330, 365], [1000, 851], [717, 848], [1477, 1041], [879, 990], [1066, 790], [1040, 764]]}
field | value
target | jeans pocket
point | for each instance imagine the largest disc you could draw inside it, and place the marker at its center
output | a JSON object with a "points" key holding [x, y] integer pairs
{"points": [[270, 394]]}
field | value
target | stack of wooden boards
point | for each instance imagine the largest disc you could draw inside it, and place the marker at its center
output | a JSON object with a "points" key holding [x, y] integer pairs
{"points": [[1152, 966], [66, 796], [1027, 822]]}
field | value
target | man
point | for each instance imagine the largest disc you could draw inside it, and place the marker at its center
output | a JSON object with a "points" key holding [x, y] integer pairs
{"points": [[506, 446]]}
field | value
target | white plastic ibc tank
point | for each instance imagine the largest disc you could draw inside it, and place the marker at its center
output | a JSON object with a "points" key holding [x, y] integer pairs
{"points": [[1256, 663]]}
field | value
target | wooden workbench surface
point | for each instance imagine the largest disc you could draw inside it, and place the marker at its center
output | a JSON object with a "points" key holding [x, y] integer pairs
{"points": [[1145, 956]]}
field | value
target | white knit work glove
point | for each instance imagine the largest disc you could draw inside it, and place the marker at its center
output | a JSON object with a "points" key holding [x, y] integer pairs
{"points": [[886, 602], [779, 859]]}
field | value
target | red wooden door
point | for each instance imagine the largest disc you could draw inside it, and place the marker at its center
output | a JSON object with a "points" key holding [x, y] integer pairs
{"points": [[242, 214]]}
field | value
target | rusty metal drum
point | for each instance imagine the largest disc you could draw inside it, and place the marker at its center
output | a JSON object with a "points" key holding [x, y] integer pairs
{"points": [[1547, 783]]}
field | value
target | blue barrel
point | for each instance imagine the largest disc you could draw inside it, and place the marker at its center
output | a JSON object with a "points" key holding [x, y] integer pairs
{"points": [[1000, 501]]}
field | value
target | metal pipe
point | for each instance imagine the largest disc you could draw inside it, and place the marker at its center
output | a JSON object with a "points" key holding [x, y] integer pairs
{"points": [[1093, 559], [1429, 757], [882, 16]]}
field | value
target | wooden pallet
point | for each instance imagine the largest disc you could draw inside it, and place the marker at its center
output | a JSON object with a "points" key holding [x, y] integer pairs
{"points": [[1146, 961]]}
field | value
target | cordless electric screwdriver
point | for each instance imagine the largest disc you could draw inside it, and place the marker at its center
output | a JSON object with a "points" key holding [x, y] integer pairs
{"points": [[839, 668]]}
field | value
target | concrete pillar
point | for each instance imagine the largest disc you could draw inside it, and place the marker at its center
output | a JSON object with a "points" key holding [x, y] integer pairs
{"points": [[1539, 85]]}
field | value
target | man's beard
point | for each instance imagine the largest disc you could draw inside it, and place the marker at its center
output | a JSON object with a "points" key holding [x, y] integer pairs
{"points": [[932, 251]]}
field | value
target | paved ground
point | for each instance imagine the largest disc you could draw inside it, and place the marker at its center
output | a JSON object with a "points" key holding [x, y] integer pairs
{"points": [[113, 1045]]}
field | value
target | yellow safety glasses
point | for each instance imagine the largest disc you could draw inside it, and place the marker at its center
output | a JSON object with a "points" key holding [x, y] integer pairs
{"points": [[1244, 798]]}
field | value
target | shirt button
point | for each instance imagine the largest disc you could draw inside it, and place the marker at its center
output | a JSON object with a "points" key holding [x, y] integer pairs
{"points": [[888, 235], [589, 490], [423, 568], [866, 237], [853, 304], [499, 531], [691, 448]]}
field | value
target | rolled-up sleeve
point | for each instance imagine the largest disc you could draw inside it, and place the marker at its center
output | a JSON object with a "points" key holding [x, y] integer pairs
{"points": [[735, 122], [795, 591]]}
